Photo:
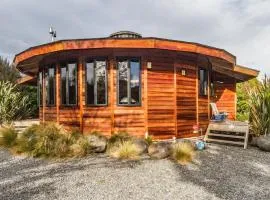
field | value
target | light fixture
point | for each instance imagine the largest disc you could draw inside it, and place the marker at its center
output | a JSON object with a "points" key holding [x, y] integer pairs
{"points": [[149, 65], [183, 72]]}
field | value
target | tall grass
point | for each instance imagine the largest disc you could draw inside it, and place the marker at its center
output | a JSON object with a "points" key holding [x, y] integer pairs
{"points": [[259, 105], [125, 150], [8, 136], [183, 152]]}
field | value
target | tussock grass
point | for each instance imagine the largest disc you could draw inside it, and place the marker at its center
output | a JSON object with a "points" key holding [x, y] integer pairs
{"points": [[8, 136], [125, 150], [149, 140], [183, 152], [117, 138]]}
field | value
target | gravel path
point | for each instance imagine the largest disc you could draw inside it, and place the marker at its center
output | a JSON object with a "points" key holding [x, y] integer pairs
{"points": [[220, 172]]}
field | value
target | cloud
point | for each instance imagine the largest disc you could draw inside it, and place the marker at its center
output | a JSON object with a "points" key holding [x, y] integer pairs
{"points": [[240, 26]]}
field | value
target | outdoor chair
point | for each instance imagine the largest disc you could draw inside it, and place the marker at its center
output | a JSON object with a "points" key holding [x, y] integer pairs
{"points": [[216, 115]]}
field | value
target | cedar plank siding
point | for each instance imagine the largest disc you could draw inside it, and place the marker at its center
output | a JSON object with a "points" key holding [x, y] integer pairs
{"points": [[168, 100]]}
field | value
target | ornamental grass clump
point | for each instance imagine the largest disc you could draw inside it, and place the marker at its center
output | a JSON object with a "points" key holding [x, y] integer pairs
{"points": [[125, 150], [8, 137], [183, 152], [119, 138]]}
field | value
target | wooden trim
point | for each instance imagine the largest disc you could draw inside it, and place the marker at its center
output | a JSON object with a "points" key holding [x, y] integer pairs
{"points": [[145, 96], [246, 71], [80, 83], [208, 91], [175, 100], [146, 43], [57, 89]]}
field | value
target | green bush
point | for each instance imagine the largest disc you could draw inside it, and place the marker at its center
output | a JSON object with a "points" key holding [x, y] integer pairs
{"points": [[119, 138], [14, 105], [149, 140], [259, 108], [8, 136], [183, 152]]}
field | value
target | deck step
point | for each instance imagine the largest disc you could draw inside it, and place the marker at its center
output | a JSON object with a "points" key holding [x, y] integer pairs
{"points": [[226, 135], [225, 141]]}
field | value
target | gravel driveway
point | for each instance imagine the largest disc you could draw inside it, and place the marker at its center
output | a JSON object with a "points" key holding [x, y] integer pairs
{"points": [[220, 172]]}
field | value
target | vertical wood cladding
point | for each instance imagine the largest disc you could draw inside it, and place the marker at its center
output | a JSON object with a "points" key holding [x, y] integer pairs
{"points": [[168, 101]]}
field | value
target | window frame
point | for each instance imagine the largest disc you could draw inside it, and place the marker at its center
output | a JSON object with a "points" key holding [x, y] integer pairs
{"points": [[52, 66], [94, 60], [65, 65], [206, 74], [129, 59]]}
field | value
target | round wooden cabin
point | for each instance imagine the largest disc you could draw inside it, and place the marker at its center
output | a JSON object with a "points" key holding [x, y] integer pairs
{"points": [[126, 82]]}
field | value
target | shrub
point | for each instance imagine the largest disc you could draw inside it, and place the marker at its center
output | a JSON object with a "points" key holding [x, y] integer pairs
{"points": [[14, 104], [27, 140], [149, 140], [125, 150], [183, 152], [119, 138], [8, 136], [259, 105]]}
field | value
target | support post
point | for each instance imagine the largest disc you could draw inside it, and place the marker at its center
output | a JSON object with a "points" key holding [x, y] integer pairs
{"points": [[80, 78]]}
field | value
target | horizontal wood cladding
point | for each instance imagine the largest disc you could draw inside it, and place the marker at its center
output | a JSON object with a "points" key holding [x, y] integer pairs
{"points": [[169, 96], [161, 123], [186, 99]]}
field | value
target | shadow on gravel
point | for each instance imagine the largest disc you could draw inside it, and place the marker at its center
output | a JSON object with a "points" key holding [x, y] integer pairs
{"points": [[24, 178], [230, 172]]}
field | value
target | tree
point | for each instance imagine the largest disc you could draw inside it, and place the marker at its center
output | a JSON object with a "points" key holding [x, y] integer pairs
{"points": [[8, 72]]}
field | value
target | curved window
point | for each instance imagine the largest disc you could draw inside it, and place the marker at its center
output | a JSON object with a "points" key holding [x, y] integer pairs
{"points": [[129, 84], [96, 82], [68, 75]]}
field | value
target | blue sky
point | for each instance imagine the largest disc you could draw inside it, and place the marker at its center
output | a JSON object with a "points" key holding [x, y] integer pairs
{"points": [[242, 27]]}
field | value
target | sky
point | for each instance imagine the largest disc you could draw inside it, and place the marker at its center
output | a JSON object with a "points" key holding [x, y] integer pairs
{"points": [[241, 27]]}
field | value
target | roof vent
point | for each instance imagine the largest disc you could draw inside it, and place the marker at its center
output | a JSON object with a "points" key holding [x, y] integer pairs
{"points": [[125, 34]]}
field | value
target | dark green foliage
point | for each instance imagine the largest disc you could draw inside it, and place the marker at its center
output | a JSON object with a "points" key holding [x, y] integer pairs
{"points": [[8, 72], [243, 98], [119, 138], [8, 137]]}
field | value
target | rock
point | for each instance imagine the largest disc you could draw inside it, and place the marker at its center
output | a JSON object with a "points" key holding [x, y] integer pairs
{"points": [[159, 150], [98, 143], [263, 143], [254, 141], [141, 144]]}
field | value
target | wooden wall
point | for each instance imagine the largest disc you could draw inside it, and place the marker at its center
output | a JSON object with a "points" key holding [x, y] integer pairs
{"points": [[170, 104]]}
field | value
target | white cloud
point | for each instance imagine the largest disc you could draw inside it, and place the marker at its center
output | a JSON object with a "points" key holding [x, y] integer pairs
{"points": [[239, 26]]}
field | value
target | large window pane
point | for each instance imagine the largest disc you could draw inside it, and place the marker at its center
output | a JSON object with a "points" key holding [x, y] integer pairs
{"points": [[51, 86], [90, 83], [72, 84], [123, 82], [101, 82], [64, 85], [203, 82], [40, 96], [135, 82]]}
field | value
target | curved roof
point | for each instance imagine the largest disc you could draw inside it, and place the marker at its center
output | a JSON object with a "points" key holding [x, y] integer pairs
{"points": [[22, 58]]}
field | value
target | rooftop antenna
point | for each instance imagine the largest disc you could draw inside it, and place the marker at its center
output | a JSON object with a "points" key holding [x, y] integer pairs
{"points": [[52, 33]]}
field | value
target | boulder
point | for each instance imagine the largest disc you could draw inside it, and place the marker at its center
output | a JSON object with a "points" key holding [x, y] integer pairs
{"points": [[253, 141], [141, 145], [159, 150], [98, 143], [263, 143]]}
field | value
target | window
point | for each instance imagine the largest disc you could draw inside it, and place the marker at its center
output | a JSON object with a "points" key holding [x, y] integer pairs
{"points": [[50, 86], [96, 82], [69, 84], [203, 75], [129, 84], [40, 96]]}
